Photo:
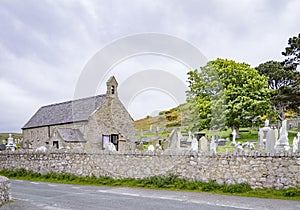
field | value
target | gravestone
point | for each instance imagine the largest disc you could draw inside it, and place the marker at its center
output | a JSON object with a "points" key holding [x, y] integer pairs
{"points": [[260, 139], [271, 141], [295, 145], [298, 135], [122, 144], [10, 140], [194, 146], [283, 143], [190, 139], [213, 145], [111, 147], [174, 141], [150, 148], [233, 136], [203, 144]]}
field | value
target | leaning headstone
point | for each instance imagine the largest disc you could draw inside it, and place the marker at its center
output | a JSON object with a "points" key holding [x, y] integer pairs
{"points": [[271, 141], [174, 141], [283, 143], [203, 144]]}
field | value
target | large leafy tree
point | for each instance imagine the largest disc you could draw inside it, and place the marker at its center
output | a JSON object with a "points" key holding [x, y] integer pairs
{"points": [[283, 78], [225, 92]]}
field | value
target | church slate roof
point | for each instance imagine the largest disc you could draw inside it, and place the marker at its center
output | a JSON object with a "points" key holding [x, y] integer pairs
{"points": [[65, 112]]}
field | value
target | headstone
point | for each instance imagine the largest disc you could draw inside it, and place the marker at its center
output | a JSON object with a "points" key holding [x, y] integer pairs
{"points": [[271, 141], [122, 144], [298, 135], [295, 145], [179, 135], [283, 143], [150, 128], [276, 134], [174, 141], [194, 146], [111, 147], [260, 139], [151, 148], [140, 146], [190, 139], [267, 122], [233, 136], [41, 149], [203, 144], [10, 140], [213, 145]]}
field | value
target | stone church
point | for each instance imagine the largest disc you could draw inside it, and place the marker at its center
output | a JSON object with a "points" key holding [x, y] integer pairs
{"points": [[88, 123]]}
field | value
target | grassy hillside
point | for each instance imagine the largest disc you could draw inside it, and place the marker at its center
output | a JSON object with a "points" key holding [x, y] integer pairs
{"points": [[175, 117], [4, 136]]}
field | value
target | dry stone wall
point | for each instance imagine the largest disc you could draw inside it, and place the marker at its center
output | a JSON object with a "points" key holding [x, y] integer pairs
{"points": [[4, 190], [258, 170]]}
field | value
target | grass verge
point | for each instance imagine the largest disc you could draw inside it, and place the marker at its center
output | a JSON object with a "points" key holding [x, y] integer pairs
{"points": [[157, 182]]}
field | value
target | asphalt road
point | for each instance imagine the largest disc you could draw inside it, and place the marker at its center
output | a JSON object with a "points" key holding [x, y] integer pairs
{"points": [[39, 195]]}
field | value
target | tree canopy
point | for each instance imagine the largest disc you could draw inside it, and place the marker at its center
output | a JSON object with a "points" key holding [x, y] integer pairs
{"points": [[292, 52], [228, 93], [283, 80]]}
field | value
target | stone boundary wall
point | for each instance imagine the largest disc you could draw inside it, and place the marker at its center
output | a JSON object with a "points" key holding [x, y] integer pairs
{"points": [[4, 190], [260, 170]]}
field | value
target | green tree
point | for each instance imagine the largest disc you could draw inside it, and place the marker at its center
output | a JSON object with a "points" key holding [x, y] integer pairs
{"points": [[225, 92], [283, 80], [292, 52]]}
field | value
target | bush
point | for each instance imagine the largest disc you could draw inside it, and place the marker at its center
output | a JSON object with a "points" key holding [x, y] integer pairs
{"points": [[237, 188], [291, 192], [210, 186]]}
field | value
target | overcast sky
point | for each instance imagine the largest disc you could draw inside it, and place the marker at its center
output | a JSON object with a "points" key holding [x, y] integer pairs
{"points": [[45, 44]]}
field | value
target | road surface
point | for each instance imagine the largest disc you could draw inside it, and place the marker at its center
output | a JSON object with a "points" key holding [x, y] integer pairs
{"points": [[40, 195]]}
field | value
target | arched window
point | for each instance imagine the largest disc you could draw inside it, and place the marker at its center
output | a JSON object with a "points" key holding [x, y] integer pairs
{"points": [[112, 90]]}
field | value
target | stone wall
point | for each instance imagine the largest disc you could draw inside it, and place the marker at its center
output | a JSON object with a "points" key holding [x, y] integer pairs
{"points": [[4, 190], [258, 170]]}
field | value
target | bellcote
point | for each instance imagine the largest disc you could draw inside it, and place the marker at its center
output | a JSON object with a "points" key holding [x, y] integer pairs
{"points": [[112, 87]]}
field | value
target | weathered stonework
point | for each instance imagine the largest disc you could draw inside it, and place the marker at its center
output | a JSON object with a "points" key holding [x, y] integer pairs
{"points": [[5, 194], [258, 170], [93, 117]]}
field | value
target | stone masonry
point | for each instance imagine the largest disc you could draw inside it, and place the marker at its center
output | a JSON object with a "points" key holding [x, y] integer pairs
{"points": [[259, 170], [4, 190]]}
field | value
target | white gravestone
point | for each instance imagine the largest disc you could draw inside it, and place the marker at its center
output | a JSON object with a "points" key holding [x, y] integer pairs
{"points": [[213, 145], [298, 135], [233, 136], [151, 148], [194, 145], [190, 139], [10, 140], [111, 147], [283, 143], [203, 144], [295, 145], [271, 141]]}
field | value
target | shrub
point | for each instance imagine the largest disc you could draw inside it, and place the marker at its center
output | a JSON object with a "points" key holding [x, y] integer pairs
{"points": [[291, 192], [237, 188]]}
